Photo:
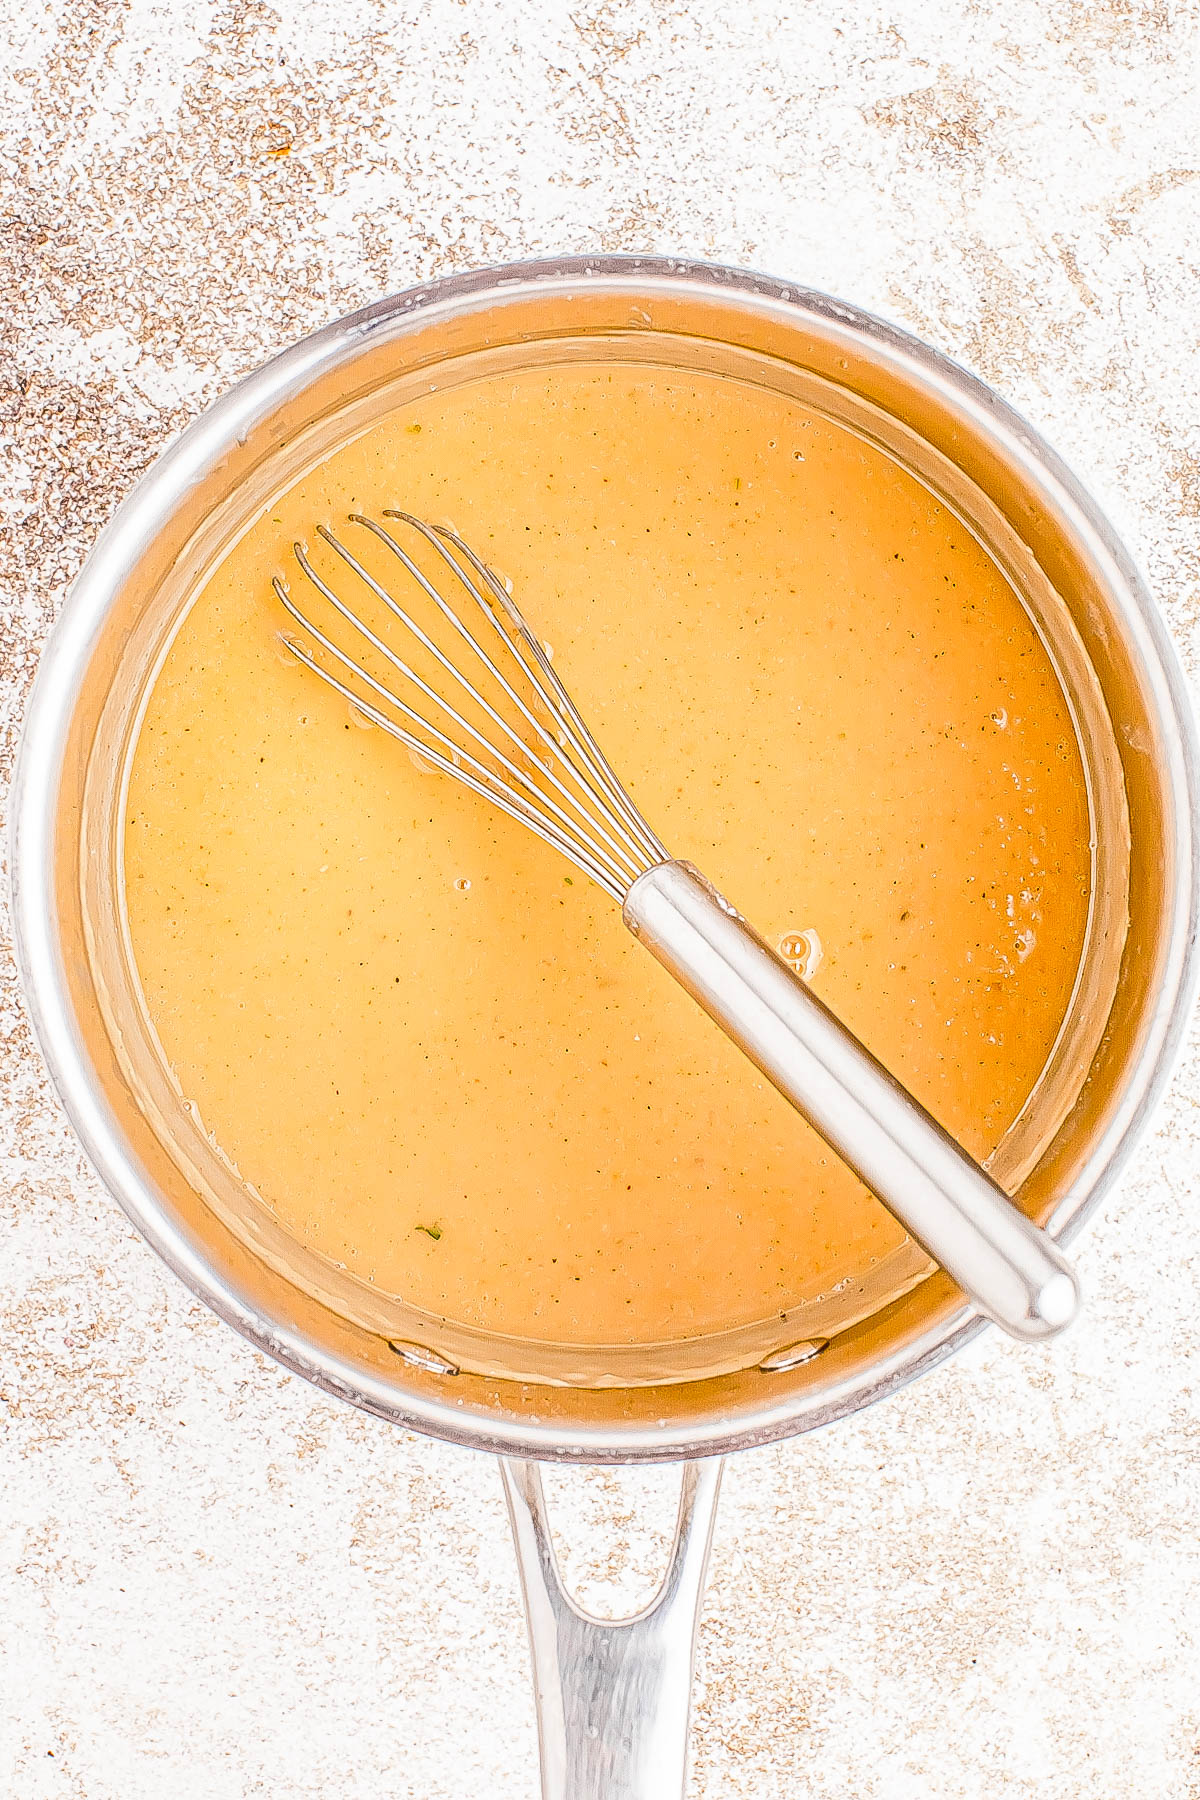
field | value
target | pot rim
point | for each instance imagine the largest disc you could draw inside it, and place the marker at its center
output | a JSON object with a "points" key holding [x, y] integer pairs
{"points": [[133, 527]]}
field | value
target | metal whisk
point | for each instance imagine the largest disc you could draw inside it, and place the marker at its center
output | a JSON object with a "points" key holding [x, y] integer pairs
{"points": [[473, 693]]}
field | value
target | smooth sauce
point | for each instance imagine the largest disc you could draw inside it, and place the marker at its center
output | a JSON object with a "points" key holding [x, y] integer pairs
{"points": [[429, 1043]]}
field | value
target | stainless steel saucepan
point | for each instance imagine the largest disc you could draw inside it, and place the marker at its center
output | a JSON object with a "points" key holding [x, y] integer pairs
{"points": [[612, 1698]]}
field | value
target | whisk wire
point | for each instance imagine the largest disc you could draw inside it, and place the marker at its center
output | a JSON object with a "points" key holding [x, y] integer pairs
{"points": [[588, 817], [600, 820], [462, 768], [588, 825], [456, 761], [545, 679]]}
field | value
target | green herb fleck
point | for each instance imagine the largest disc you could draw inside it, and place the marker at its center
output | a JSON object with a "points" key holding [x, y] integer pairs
{"points": [[568, 881], [433, 1231]]}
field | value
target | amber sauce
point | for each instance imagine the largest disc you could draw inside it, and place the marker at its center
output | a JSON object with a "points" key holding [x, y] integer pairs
{"points": [[430, 1044]]}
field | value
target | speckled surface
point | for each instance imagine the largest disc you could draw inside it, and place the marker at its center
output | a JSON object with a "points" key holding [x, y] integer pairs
{"points": [[214, 1582]]}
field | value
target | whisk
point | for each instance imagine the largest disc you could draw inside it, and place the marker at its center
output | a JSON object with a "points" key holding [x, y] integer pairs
{"points": [[486, 707]]}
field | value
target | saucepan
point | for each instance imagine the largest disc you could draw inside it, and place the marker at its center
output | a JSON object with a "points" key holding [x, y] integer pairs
{"points": [[612, 1697]]}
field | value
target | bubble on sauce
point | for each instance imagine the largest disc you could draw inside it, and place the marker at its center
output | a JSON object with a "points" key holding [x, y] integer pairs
{"points": [[422, 763], [802, 951], [547, 650], [288, 649], [358, 717], [999, 718], [1026, 944], [462, 884]]}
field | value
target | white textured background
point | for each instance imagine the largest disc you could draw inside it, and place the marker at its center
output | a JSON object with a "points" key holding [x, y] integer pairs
{"points": [[216, 1584]]}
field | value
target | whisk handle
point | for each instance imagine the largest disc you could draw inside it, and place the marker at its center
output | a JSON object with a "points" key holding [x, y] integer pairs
{"points": [[1012, 1271]]}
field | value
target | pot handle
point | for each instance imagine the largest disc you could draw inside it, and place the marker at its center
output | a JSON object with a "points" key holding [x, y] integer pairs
{"points": [[613, 1696]]}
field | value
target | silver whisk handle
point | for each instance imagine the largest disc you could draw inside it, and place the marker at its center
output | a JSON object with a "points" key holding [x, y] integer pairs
{"points": [[1012, 1270]]}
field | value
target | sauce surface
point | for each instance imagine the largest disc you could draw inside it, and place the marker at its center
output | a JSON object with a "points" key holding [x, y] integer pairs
{"points": [[430, 1044]]}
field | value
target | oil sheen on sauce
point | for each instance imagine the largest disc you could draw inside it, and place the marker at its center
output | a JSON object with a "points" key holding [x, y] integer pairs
{"points": [[429, 1043]]}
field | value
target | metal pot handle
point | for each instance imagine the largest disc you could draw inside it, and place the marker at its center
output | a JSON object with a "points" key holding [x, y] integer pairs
{"points": [[613, 1696]]}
